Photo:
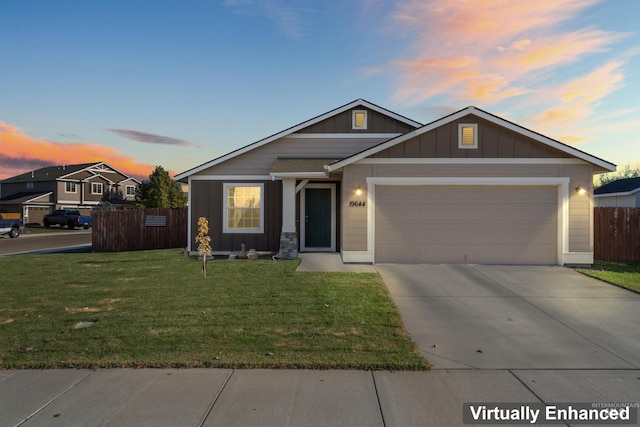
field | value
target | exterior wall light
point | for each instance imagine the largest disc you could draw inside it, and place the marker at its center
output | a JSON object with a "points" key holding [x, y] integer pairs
{"points": [[358, 191], [581, 191]]}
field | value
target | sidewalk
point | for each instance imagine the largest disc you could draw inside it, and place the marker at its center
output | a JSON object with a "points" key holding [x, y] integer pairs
{"points": [[222, 397], [264, 397]]}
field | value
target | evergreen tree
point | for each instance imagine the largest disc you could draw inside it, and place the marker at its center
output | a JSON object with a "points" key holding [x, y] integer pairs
{"points": [[160, 191]]}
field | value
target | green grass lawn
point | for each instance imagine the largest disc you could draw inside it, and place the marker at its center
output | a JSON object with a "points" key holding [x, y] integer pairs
{"points": [[154, 309], [626, 275]]}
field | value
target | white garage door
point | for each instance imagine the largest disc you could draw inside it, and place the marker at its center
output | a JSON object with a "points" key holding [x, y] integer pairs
{"points": [[466, 224]]}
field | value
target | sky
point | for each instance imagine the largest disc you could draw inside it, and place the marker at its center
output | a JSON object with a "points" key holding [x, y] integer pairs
{"points": [[138, 84]]}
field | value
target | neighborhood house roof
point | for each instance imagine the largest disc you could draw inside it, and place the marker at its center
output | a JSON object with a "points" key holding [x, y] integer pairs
{"points": [[625, 186], [50, 173], [23, 197]]}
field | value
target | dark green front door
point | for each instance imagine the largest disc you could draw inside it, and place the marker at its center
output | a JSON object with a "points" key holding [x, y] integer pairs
{"points": [[317, 208]]}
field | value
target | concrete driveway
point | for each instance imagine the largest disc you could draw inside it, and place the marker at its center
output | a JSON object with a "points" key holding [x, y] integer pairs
{"points": [[515, 317]]}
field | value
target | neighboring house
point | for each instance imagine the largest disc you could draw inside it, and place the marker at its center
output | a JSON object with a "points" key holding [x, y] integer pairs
{"points": [[621, 193], [378, 187], [37, 193]]}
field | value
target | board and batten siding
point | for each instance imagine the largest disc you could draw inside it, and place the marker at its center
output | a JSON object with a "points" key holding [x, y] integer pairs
{"points": [[354, 221], [207, 201], [493, 142], [342, 123]]}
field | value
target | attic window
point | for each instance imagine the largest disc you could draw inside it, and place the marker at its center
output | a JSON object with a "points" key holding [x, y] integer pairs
{"points": [[359, 119], [467, 135]]}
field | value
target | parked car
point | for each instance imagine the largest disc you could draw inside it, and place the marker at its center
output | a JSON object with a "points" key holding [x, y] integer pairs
{"points": [[69, 217], [10, 226]]}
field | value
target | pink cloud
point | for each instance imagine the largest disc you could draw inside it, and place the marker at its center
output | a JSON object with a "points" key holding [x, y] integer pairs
{"points": [[21, 153]]}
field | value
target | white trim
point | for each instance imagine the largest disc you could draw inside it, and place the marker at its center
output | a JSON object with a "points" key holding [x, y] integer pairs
{"points": [[299, 175], [75, 187], [461, 126], [126, 190], [301, 185], [561, 182], [94, 192], [469, 161], [189, 212], [341, 135], [227, 230], [483, 115], [231, 178], [354, 113], [357, 257], [332, 187], [578, 258], [296, 128]]}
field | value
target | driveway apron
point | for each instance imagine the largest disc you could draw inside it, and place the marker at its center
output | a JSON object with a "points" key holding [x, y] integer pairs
{"points": [[515, 317]]}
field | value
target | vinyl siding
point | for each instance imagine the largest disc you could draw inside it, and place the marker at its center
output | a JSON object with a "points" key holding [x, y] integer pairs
{"points": [[376, 123], [493, 142], [260, 160], [206, 201], [580, 212]]}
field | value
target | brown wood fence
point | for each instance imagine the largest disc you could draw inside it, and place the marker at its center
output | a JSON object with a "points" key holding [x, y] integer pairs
{"points": [[616, 234], [139, 229]]}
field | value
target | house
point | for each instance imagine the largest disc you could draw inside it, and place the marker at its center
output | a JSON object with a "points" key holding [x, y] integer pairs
{"points": [[621, 193], [83, 186], [378, 187]]}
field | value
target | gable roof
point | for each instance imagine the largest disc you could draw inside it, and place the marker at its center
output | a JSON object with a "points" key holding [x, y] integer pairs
{"points": [[619, 187], [484, 115], [296, 128], [62, 172], [48, 173], [23, 197]]}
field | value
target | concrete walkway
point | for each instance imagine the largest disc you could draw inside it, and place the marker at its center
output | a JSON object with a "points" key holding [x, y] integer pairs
{"points": [[225, 397]]}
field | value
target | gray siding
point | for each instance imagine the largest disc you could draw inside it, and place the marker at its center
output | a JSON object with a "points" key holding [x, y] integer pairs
{"points": [[260, 160], [354, 221], [206, 201], [493, 142], [376, 123]]}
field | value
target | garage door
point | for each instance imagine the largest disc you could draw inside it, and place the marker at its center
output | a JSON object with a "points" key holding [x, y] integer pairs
{"points": [[466, 224]]}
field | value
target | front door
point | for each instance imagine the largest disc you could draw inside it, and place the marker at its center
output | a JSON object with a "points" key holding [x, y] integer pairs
{"points": [[318, 216]]}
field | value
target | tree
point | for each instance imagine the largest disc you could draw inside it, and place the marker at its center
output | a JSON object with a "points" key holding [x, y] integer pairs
{"points": [[204, 242], [160, 191], [613, 176]]}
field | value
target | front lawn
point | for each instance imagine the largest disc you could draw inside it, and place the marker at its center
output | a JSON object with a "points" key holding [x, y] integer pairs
{"points": [[154, 309], [626, 275]]}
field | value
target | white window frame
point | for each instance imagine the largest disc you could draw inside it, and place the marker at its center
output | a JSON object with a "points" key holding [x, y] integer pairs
{"points": [[133, 190], [475, 135], [73, 185], [225, 229], [353, 119], [101, 186]]}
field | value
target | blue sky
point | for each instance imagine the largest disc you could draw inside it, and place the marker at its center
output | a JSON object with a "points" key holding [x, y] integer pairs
{"points": [[139, 84]]}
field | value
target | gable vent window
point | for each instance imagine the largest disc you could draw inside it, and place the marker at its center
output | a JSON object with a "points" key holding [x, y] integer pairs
{"points": [[359, 119], [467, 135]]}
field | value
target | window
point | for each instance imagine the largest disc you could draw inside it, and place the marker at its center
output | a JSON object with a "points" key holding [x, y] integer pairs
{"points": [[467, 135], [29, 185], [96, 188], [131, 190], [243, 209], [70, 187], [359, 119]]}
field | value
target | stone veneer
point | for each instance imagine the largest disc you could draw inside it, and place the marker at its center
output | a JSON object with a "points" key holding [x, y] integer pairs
{"points": [[288, 245]]}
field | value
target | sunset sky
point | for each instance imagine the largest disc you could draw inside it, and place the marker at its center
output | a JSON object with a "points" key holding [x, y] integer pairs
{"points": [[177, 83]]}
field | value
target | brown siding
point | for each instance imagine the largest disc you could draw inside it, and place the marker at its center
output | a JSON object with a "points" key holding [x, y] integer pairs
{"points": [[493, 142], [376, 123], [206, 201]]}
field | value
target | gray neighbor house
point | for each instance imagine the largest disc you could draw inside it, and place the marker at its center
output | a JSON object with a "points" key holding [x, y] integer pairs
{"points": [[378, 187], [84, 187]]}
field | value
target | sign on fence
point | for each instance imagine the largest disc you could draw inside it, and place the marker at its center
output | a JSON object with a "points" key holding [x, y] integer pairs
{"points": [[155, 221]]}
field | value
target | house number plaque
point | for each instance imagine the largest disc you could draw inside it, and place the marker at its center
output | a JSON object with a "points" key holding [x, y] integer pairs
{"points": [[357, 204]]}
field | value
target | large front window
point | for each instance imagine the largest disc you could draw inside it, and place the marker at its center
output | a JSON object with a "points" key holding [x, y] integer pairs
{"points": [[243, 208]]}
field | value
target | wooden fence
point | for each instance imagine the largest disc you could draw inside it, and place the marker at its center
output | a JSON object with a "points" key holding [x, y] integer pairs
{"points": [[616, 233], [139, 229]]}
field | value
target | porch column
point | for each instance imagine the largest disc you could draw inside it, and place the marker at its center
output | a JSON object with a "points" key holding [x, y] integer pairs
{"points": [[288, 236]]}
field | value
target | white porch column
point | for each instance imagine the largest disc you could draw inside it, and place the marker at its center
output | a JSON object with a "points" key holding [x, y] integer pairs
{"points": [[289, 205], [288, 236]]}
